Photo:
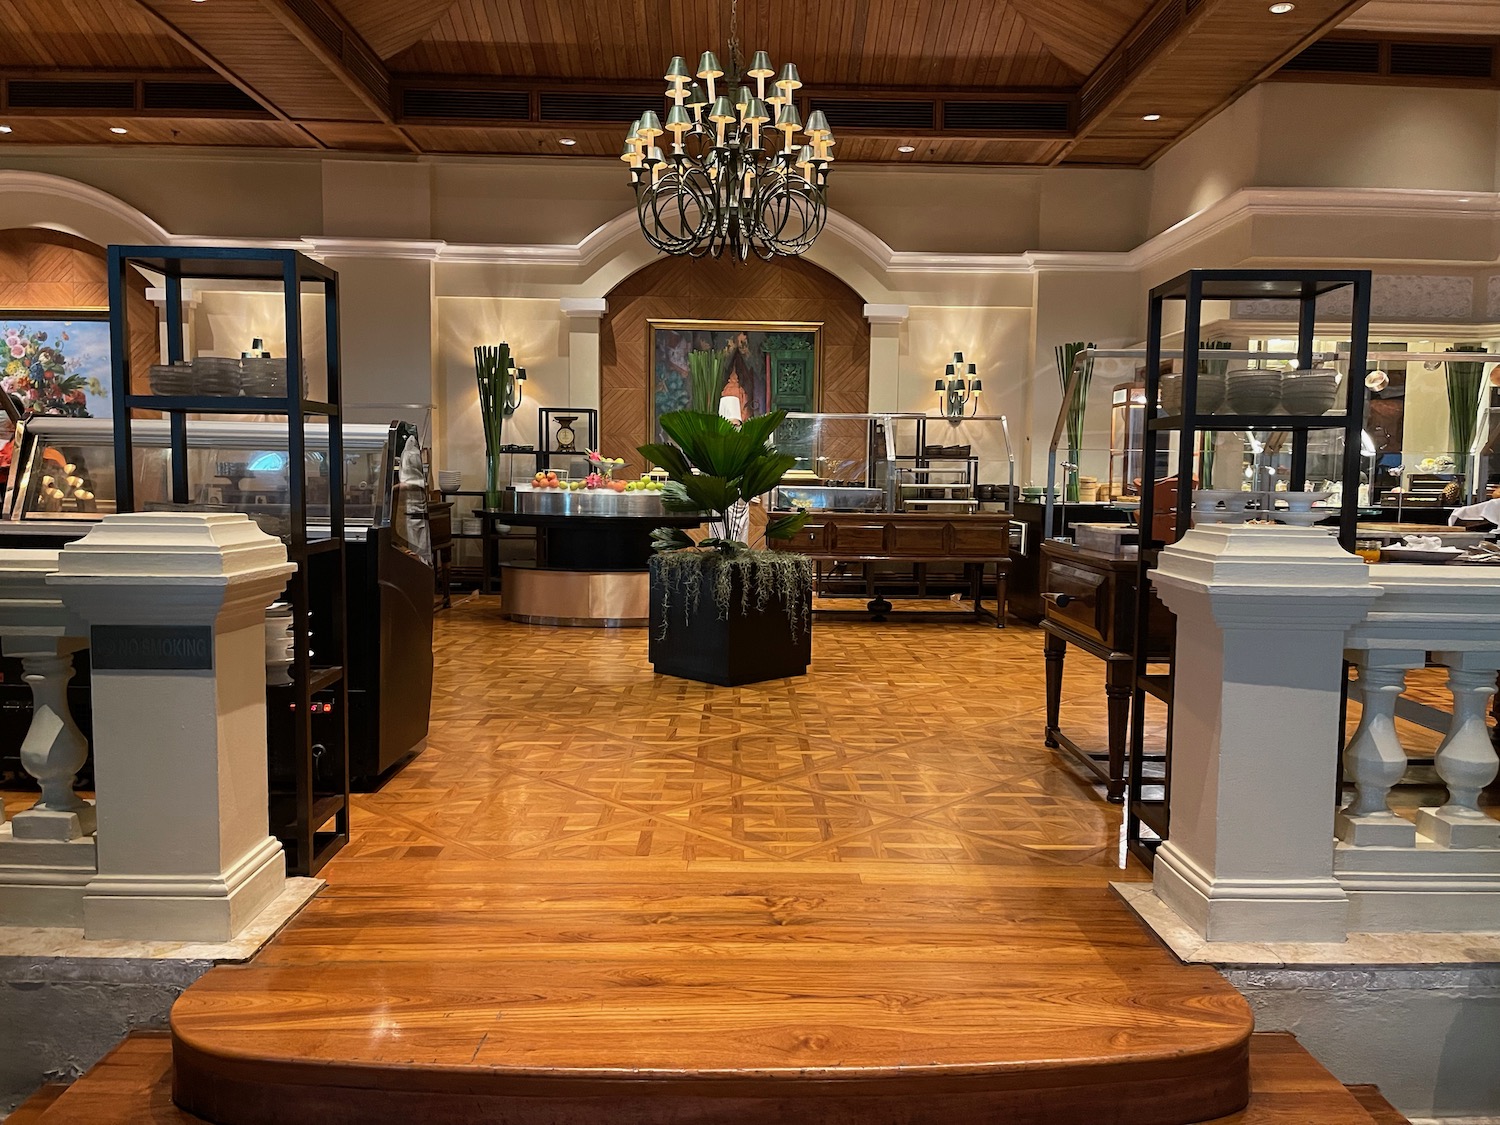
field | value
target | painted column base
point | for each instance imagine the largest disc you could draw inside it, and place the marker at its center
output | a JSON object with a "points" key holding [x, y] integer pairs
{"points": [[50, 824], [185, 907], [1266, 909], [1381, 829], [42, 881], [1425, 889], [1458, 830]]}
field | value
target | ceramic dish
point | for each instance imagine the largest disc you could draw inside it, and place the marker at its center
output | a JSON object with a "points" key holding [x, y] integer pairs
{"points": [[1419, 554]]}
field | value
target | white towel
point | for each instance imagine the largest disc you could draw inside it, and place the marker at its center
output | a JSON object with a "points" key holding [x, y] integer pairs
{"points": [[1488, 510]]}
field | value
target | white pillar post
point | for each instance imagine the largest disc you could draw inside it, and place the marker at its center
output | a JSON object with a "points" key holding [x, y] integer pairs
{"points": [[885, 355], [1466, 758], [1374, 759], [1261, 618], [175, 604], [584, 373]]}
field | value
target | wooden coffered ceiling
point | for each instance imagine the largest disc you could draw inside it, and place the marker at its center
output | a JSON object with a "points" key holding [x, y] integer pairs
{"points": [[1020, 82]]}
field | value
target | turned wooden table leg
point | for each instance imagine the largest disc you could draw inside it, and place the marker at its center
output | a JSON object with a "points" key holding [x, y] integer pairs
{"points": [[1054, 648], [1119, 670]]}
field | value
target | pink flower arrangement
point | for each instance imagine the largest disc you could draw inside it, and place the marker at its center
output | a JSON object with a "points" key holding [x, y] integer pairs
{"points": [[37, 373]]}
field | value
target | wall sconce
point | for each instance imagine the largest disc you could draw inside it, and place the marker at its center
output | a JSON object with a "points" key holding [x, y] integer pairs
{"points": [[958, 387], [514, 391]]}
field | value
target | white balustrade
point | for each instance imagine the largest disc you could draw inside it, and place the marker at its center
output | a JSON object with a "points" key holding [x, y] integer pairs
{"points": [[173, 606], [1257, 850]]}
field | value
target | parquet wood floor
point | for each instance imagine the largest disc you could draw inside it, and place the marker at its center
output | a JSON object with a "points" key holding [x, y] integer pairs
{"points": [[868, 895]]}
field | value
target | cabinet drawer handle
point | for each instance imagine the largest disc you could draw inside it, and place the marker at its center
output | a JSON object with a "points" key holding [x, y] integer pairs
{"points": [[1061, 601]]}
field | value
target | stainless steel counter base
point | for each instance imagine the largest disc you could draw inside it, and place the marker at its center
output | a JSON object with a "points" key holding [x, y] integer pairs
{"points": [[613, 599]]}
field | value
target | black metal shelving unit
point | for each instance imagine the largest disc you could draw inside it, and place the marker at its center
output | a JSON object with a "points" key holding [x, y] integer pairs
{"points": [[318, 788], [1147, 820], [547, 415]]}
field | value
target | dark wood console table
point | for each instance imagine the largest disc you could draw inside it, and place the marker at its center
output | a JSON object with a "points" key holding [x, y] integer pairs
{"points": [[973, 540], [1089, 600]]}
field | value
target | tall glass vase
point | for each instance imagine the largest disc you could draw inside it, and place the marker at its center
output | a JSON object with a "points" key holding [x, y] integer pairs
{"points": [[492, 481]]}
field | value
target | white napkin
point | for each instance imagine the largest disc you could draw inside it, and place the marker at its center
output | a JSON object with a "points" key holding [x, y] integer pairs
{"points": [[1423, 542]]}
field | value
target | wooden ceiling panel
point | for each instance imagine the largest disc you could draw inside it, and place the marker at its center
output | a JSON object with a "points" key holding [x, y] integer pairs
{"points": [[1224, 50], [154, 131], [86, 34], [948, 43], [357, 136], [516, 142], [247, 40], [391, 26]]}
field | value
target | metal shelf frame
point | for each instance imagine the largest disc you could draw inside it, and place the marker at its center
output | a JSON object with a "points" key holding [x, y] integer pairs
{"points": [[1147, 819], [321, 791]]}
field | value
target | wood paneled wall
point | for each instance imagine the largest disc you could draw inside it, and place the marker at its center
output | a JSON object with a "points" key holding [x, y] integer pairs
{"points": [[787, 289], [46, 271]]}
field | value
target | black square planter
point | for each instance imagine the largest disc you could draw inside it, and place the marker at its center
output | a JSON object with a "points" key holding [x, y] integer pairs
{"points": [[753, 644]]}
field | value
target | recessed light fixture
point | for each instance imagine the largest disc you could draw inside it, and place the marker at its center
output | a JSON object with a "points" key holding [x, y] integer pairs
{"points": [[569, 141], [1150, 117], [906, 148], [1281, 9], [119, 129], [4, 128]]}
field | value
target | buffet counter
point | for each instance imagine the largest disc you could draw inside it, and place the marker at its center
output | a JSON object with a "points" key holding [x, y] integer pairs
{"points": [[593, 548]]}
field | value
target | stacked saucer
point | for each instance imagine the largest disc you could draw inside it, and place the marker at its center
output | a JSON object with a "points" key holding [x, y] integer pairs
{"points": [[1254, 391]]}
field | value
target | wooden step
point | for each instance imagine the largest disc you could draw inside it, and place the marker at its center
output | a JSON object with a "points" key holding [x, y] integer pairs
{"points": [[1383, 1112], [132, 1085], [31, 1110]]}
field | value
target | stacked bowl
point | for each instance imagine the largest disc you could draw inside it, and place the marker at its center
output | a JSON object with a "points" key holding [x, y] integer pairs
{"points": [[1254, 391], [1310, 392], [448, 480], [1210, 394], [172, 379]]}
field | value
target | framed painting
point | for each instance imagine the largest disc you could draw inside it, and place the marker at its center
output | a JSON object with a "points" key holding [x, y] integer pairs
{"points": [[768, 366], [56, 362]]}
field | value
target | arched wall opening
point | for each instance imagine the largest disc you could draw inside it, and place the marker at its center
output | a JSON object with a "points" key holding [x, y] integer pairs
{"points": [[721, 292]]}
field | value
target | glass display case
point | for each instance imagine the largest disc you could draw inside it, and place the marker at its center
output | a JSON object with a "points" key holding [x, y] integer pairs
{"points": [[64, 472]]}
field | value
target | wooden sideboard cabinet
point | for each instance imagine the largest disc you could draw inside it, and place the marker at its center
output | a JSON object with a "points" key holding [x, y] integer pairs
{"points": [[973, 540], [1089, 600]]}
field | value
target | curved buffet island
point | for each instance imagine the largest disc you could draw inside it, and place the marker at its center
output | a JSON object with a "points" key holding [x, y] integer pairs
{"points": [[593, 548]]}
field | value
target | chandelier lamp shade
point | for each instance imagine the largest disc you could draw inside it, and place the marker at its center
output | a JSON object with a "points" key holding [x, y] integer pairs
{"points": [[732, 169], [959, 388]]}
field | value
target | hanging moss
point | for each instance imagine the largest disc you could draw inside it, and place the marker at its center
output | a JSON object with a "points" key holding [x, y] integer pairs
{"points": [[763, 575]]}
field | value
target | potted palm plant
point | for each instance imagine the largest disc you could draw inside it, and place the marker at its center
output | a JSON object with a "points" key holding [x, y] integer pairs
{"points": [[723, 612]]}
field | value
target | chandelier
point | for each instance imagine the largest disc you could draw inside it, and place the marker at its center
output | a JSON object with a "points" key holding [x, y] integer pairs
{"points": [[726, 173]]}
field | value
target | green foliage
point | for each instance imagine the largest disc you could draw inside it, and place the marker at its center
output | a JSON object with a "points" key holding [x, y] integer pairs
{"points": [[784, 527], [492, 370], [1465, 378], [762, 575], [707, 371], [1076, 404], [715, 464]]}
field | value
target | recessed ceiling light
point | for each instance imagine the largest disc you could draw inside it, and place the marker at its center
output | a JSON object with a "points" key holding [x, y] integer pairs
{"points": [[1281, 9], [569, 141], [1151, 117], [4, 128], [906, 148], [120, 129]]}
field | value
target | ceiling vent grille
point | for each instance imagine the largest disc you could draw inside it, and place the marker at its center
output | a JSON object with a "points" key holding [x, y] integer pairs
{"points": [[367, 68], [1098, 90], [27, 93], [467, 105], [1338, 56], [217, 97], [1443, 60], [570, 105], [1151, 38], [874, 113], [320, 23], [1008, 116]]}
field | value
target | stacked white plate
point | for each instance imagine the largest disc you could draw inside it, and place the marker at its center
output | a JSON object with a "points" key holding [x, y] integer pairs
{"points": [[216, 375], [449, 481], [1253, 391], [1210, 394], [172, 379], [1309, 392], [471, 526], [264, 377]]}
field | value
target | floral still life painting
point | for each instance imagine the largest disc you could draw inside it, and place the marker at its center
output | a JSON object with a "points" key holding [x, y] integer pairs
{"points": [[56, 366]]}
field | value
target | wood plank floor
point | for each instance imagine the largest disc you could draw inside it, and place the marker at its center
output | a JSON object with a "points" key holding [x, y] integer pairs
{"points": [[867, 895]]}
